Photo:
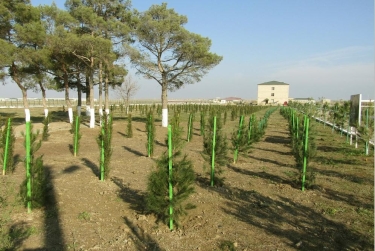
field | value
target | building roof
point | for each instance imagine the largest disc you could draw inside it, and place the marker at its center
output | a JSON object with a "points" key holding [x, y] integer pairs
{"points": [[231, 98], [303, 99], [273, 83]]}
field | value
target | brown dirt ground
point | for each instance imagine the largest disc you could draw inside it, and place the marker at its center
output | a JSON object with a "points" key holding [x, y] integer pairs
{"points": [[258, 208]]}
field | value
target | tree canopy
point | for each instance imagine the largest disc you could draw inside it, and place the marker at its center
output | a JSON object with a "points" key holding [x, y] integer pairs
{"points": [[168, 53], [85, 44]]}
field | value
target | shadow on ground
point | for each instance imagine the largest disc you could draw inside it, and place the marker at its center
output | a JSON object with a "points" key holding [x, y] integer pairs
{"points": [[141, 240]]}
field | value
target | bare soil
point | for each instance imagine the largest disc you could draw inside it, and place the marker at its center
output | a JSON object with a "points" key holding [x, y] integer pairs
{"points": [[258, 208]]}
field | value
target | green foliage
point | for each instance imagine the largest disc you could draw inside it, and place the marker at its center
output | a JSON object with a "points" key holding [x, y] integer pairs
{"points": [[298, 131], [177, 131], [227, 246], [298, 143], [221, 148], [191, 57], [190, 127], [129, 127], [85, 216], [150, 128], [11, 233], [104, 141], [233, 114], [183, 178], [202, 123], [339, 115], [240, 140], [158, 201], [10, 161], [256, 130], [45, 133], [38, 177]]}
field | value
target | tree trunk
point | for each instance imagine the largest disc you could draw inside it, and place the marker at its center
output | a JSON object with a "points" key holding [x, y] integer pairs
{"points": [[24, 92], [106, 92], [88, 90], [44, 99], [67, 100], [25, 104], [100, 92], [79, 91], [92, 107], [164, 102]]}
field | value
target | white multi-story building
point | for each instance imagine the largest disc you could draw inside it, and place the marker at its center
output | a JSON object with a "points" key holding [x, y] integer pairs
{"points": [[273, 92]]}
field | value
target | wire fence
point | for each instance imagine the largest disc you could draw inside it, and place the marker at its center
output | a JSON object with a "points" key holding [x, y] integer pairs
{"points": [[18, 103]]}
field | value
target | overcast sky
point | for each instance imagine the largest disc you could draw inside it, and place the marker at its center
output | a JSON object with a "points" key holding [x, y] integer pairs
{"points": [[320, 48]]}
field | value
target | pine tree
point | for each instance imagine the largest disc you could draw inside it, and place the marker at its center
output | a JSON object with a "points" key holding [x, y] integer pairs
{"points": [[298, 146], [203, 123], [177, 130], [233, 114], [221, 148], [37, 175], [104, 141], [45, 134], [190, 127], [240, 140], [157, 198]]}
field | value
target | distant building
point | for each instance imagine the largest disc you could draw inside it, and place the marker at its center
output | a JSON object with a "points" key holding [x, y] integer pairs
{"points": [[303, 100], [229, 100], [273, 92]]}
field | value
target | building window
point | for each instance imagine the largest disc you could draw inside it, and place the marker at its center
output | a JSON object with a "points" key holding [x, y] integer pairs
{"points": [[272, 94], [272, 88]]}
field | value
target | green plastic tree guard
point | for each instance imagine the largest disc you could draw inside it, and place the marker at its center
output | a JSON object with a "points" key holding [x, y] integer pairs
{"points": [[213, 154], [102, 156], [170, 167], [28, 171], [305, 152], [6, 147]]}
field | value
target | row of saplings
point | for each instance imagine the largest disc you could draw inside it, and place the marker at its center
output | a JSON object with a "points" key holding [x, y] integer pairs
{"points": [[173, 180], [302, 132]]}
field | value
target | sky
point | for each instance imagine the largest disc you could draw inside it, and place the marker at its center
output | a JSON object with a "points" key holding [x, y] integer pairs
{"points": [[322, 49]]}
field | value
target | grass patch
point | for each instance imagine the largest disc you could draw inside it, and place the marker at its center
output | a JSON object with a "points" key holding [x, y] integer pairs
{"points": [[85, 216]]}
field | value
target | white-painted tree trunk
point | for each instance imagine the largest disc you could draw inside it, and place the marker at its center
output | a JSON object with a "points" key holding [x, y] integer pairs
{"points": [[70, 112], [79, 110], [87, 110], [45, 113], [164, 122], [107, 111], [92, 118], [351, 135], [27, 115], [100, 116]]}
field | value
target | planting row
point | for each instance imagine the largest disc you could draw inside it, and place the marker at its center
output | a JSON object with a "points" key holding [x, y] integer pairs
{"points": [[174, 177]]}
